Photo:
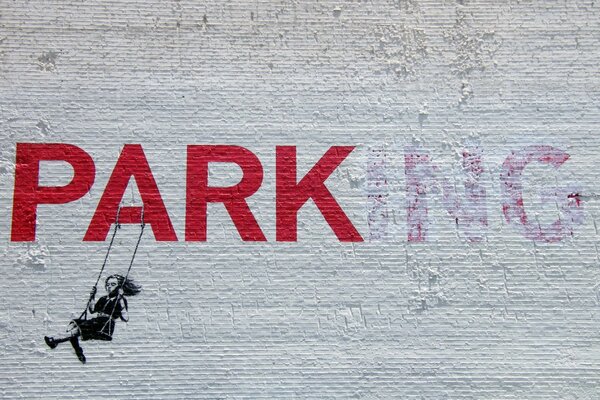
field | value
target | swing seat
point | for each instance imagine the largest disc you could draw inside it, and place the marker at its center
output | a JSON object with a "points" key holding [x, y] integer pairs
{"points": [[99, 328]]}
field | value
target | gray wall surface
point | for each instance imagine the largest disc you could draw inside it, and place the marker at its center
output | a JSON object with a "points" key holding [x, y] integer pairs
{"points": [[508, 316]]}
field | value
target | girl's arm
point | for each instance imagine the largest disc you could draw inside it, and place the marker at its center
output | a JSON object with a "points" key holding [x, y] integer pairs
{"points": [[90, 303], [124, 315]]}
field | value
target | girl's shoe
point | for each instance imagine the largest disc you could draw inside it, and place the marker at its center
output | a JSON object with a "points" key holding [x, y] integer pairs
{"points": [[50, 342]]}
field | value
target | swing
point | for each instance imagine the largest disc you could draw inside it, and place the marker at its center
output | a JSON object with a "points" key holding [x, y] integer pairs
{"points": [[104, 332]]}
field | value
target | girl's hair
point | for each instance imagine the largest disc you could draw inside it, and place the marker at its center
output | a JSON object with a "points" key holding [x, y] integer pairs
{"points": [[130, 288]]}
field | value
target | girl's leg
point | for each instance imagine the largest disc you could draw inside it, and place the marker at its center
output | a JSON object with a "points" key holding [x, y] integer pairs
{"points": [[73, 331], [78, 350], [53, 342]]}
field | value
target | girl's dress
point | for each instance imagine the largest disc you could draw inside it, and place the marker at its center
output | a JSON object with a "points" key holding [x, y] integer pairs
{"points": [[101, 327]]}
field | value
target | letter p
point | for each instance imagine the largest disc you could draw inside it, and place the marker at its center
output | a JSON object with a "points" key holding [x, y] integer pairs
{"points": [[28, 193]]}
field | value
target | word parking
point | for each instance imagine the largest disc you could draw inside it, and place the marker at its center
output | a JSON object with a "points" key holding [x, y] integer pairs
{"points": [[291, 193]]}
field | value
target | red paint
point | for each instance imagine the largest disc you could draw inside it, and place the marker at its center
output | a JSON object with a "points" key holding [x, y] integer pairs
{"points": [[553, 159], [470, 213], [28, 194], [199, 194], [418, 171], [512, 190], [132, 163], [291, 196], [377, 194], [422, 178], [576, 197]]}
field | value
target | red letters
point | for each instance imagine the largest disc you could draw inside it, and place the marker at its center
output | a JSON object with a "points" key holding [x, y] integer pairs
{"points": [[470, 214], [422, 178], [28, 194], [291, 196], [131, 163], [512, 191], [199, 194]]}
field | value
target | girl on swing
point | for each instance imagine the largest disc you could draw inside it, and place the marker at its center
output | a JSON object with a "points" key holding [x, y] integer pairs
{"points": [[108, 309]]}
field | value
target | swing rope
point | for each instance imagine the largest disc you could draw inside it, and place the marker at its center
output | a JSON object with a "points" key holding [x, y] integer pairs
{"points": [[143, 225], [112, 239], [137, 245]]}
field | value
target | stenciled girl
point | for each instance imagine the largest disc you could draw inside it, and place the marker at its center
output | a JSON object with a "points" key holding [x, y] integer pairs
{"points": [[106, 311]]}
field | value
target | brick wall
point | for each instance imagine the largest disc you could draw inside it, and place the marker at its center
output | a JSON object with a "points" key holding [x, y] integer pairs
{"points": [[483, 305]]}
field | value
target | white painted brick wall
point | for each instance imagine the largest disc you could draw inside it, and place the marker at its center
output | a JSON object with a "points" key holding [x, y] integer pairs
{"points": [[506, 318]]}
